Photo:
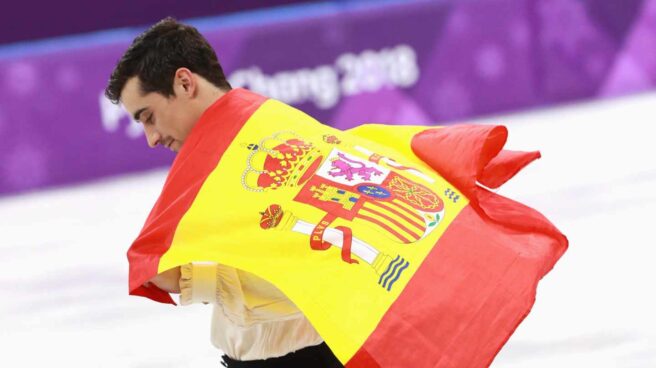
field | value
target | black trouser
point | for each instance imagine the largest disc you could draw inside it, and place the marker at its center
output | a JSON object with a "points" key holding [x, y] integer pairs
{"points": [[318, 356]]}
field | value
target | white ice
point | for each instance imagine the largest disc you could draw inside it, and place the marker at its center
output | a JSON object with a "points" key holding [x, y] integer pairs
{"points": [[63, 282]]}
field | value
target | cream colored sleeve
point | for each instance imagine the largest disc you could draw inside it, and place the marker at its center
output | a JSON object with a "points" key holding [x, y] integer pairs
{"points": [[198, 283]]}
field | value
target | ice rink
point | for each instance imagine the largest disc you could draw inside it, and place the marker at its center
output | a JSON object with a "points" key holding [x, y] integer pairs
{"points": [[64, 276]]}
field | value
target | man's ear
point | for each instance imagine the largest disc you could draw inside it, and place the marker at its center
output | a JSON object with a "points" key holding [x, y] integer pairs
{"points": [[184, 82]]}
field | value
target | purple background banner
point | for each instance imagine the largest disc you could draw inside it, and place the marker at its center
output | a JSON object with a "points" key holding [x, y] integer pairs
{"points": [[58, 18], [410, 62]]}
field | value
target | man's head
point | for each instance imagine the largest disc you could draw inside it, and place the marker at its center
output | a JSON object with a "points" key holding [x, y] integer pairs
{"points": [[167, 78]]}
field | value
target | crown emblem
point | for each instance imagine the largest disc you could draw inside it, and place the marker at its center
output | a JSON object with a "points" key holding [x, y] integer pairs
{"points": [[281, 160]]}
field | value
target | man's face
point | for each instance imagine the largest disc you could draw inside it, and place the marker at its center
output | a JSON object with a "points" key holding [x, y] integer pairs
{"points": [[166, 121]]}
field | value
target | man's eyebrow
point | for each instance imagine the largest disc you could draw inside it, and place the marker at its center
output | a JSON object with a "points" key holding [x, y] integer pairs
{"points": [[137, 114]]}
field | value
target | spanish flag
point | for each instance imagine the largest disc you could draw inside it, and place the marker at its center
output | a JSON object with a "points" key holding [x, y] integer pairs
{"points": [[386, 237]]}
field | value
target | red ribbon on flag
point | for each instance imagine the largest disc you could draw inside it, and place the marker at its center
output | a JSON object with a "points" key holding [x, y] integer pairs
{"points": [[317, 242]]}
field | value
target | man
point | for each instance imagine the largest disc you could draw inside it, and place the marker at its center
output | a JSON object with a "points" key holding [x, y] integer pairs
{"points": [[386, 237], [166, 80]]}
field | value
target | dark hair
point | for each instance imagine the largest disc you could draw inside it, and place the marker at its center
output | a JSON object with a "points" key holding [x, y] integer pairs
{"points": [[156, 54]]}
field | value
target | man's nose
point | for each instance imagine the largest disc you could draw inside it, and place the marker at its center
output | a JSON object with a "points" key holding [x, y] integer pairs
{"points": [[153, 138]]}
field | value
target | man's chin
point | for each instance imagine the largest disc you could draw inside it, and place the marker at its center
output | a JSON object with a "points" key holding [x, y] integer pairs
{"points": [[175, 146]]}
